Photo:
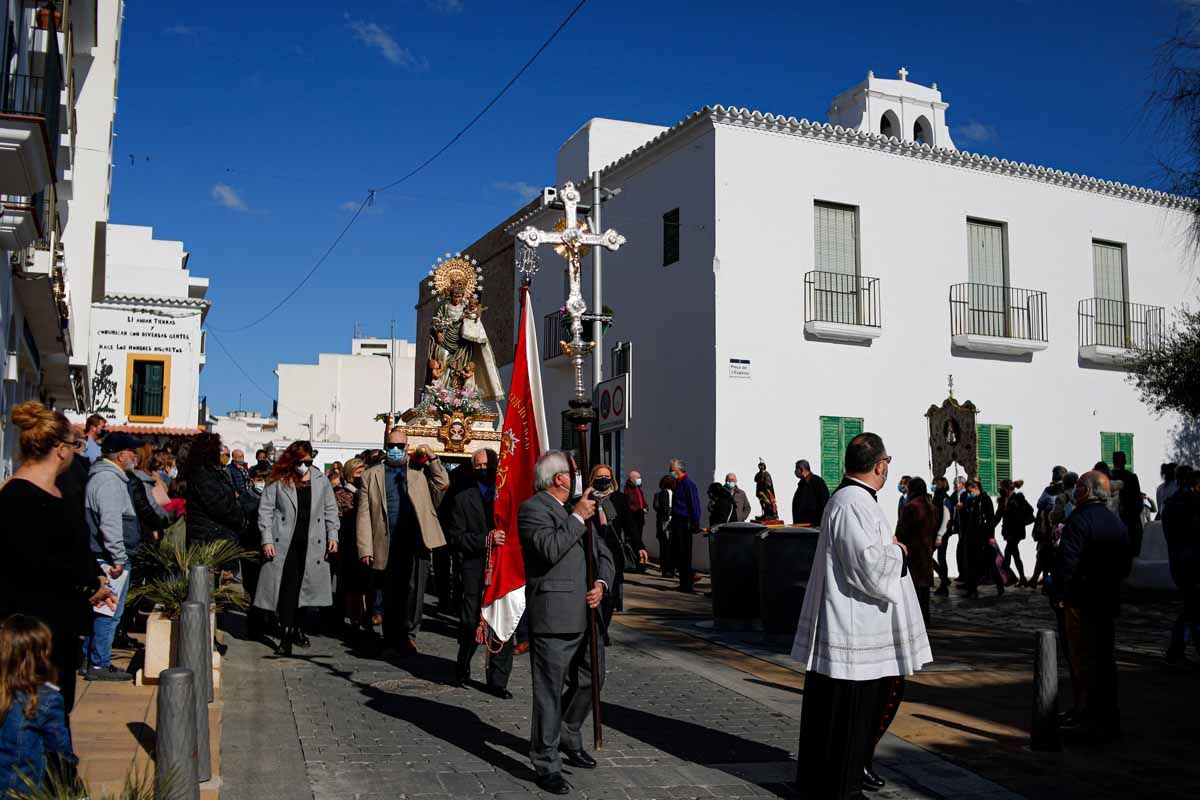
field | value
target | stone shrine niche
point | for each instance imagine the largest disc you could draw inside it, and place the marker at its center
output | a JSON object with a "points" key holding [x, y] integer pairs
{"points": [[952, 437]]}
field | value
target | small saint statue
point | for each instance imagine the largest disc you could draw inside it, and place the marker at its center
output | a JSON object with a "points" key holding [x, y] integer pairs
{"points": [[459, 353], [764, 490]]}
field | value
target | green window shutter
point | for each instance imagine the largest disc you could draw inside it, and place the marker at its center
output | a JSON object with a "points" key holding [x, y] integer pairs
{"points": [[851, 427], [1109, 444], [1125, 445], [986, 452], [832, 452], [1002, 440]]}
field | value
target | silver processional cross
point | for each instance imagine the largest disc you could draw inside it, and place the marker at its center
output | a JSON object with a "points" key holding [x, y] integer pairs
{"points": [[571, 240]]}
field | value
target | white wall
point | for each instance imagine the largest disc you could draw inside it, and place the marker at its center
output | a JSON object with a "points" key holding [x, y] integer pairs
{"points": [[912, 225], [337, 398], [599, 143]]}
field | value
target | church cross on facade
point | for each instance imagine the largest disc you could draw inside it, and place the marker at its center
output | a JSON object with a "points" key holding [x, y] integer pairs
{"points": [[903, 74], [571, 240]]}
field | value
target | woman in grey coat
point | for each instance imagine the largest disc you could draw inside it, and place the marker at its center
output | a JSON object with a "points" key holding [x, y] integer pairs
{"points": [[295, 574]]}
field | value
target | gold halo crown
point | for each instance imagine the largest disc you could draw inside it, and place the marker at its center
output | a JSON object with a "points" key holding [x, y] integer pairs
{"points": [[455, 273]]}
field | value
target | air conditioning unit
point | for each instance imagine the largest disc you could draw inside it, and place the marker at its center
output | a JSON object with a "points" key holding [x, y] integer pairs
{"points": [[10, 368]]}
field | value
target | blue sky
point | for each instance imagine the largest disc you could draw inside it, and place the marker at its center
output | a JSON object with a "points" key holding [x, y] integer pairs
{"points": [[247, 129]]}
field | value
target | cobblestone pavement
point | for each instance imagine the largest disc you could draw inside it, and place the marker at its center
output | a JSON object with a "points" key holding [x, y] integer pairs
{"points": [[676, 726]]}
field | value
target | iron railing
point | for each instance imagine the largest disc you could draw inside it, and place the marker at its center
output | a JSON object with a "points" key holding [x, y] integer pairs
{"points": [[556, 328], [842, 298], [38, 94], [980, 309], [1117, 323]]}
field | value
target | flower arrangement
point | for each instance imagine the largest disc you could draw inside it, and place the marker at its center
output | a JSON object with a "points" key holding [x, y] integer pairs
{"points": [[444, 400]]}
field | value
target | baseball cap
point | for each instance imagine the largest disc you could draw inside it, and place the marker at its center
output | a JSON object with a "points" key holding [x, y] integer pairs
{"points": [[119, 440]]}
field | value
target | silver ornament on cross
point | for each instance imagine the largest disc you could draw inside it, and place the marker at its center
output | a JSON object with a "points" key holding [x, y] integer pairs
{"points": [[571, 240]]}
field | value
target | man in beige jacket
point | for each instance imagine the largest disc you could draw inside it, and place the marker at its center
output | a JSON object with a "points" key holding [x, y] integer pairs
{"points": [[397, 531]]}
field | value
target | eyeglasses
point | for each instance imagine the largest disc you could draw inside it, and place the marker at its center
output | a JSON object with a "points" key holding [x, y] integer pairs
{"points": [[308, 462], [72, 443]]}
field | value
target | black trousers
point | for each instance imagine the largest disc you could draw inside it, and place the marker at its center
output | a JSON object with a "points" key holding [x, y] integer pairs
{"points": [[1013, 553], [404, 595], [681, 544], [291, 581], [1099, 645], [941, 565], [499, 665], [666, 555], [839, 728], [1189, 618]]}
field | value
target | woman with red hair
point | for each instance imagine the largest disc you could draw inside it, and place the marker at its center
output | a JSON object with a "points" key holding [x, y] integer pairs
{"points": [[298, 522]]}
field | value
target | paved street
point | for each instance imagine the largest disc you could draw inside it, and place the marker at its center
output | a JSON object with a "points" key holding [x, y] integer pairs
{"points": [[679, 724]]}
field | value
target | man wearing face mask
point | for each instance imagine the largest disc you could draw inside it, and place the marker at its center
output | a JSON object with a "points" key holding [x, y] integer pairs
{"points": [[114, 533], [397, 530], [808, 504], [251, 539], [559, 604], [471, 529]]}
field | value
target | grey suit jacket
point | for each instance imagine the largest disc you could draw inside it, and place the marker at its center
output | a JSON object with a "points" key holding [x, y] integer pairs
{"points": [[556, 566]]}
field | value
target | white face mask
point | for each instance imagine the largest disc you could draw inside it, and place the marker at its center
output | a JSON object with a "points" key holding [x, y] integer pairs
{"points": [[173, 473], [302, 469], [259, 486], [577, 486]]}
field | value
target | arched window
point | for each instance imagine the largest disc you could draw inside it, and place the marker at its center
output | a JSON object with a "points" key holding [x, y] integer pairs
{"points": [[922, 133], [889, 125]]}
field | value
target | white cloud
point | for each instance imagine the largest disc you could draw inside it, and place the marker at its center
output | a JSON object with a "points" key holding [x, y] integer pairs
{"points": [[228, 197], [376, 36], [350, 205], [975, 131], [527, 191], [446, 6], [185, 31]]}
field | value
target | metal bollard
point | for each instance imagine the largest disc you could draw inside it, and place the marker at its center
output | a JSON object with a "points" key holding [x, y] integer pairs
{"points": [[200, 591], [195, 650], [175, 737], [1043, 734]]}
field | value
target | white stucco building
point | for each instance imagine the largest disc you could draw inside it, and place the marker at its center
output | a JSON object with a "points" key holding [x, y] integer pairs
{"points": [[146, 333], [338, 398], [787, 283], [244, 430], [56, 114]]}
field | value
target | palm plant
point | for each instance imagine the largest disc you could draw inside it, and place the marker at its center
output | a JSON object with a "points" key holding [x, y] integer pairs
{"points": [[65, 784], [167, 566]]}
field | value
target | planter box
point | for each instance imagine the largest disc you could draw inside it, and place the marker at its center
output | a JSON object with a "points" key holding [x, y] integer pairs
{"points": [[162, 647]]}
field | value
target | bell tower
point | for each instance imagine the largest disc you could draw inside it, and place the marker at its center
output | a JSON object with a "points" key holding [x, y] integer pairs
{"points": [[896, 108]]}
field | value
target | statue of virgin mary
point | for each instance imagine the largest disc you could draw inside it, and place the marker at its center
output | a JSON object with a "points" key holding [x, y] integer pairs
{"points": [[459, 353]]}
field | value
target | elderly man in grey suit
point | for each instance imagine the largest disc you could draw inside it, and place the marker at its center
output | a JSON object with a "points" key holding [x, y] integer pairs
{"points": [[558, 603]]}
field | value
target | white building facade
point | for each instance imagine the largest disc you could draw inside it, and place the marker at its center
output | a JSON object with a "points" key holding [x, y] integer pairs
{"points": [[338, 398], [146, 333], [787, 283], [56, 110]]}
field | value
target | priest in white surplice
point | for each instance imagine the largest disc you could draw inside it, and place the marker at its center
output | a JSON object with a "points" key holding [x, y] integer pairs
{"points": [[860, 633]]}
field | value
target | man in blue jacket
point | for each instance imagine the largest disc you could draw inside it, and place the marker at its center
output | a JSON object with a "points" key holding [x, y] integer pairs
{"points": [[1094, 557], [685, 521], [114, 533]]}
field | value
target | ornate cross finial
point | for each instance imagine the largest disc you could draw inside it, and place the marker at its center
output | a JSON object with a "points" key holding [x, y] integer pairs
{"points": [[571, 240], [903, 74], [950, 382]]}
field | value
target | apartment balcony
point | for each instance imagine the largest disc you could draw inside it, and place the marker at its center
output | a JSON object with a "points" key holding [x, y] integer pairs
{"points": [[999, 320], [42, 292], [21, 221], [556, 328], [1113, 332], [842, 308], [30, 107]]}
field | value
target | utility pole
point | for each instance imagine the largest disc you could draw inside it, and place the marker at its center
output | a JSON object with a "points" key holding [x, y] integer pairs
{"points": [[597, 289], [392, 363]]}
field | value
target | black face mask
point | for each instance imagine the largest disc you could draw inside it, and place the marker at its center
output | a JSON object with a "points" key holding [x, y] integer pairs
{"points": [[485, 476]]}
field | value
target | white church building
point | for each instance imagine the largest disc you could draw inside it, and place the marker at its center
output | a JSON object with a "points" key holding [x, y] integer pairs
{"points": [[787, 283]]}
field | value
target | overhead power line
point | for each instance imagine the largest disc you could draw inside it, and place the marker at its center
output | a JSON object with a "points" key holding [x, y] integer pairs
{"points": [[370, 197]]}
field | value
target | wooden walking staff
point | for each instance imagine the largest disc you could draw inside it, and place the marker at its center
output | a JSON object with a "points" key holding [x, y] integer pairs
{"points": [[570, 242]]}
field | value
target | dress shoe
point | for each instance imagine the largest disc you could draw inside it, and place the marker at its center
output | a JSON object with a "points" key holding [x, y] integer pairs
{"points": [[553, 784], [578, 759], [284, 648], [299, 637], [872, 782], [409, 648], [499, 692]]}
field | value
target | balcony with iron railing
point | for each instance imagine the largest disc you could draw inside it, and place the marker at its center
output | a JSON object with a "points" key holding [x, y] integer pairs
{"points": [[1113, 332], [556, 328], [1001, 320], [30, 105], [842, 307]]}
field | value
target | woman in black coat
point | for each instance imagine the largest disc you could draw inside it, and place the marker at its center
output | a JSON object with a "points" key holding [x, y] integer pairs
{"points": [[1013, 514], [51, 573], [978, 531], [213, 511]]}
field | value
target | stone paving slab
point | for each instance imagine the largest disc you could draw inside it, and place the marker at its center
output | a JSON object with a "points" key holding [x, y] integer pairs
{"points": [[336, 723]]}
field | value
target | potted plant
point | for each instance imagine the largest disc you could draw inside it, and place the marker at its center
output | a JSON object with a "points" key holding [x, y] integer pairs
{"points": [[167, 565]]}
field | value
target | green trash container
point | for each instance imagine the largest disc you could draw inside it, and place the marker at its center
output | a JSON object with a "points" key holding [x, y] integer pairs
{"points": [[784, 558], [734, 574]]}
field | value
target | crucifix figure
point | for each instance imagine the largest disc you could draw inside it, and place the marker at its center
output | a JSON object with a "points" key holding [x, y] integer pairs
{"points": [[571, 241], [950, 387]]}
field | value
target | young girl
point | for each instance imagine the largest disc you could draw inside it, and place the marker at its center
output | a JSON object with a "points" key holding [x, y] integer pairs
{"points": [[34, 736]]}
